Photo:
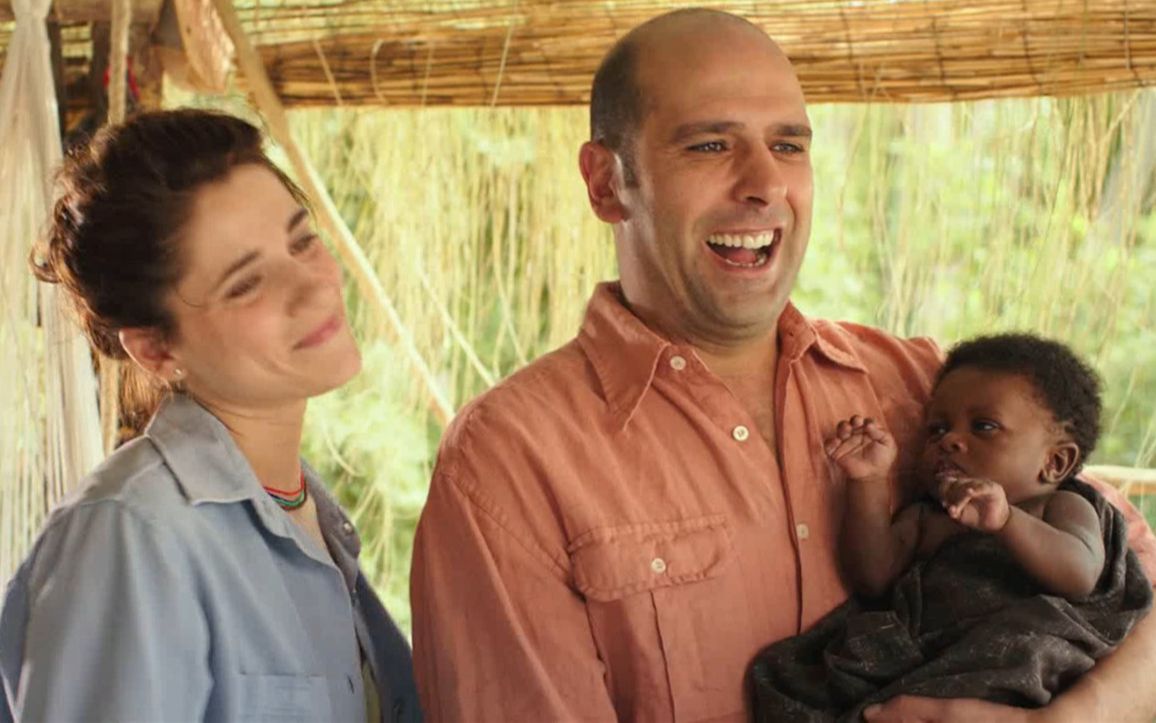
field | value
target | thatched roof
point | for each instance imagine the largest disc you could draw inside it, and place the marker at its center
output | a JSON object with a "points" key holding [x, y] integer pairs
{"points": [[532, 52]]}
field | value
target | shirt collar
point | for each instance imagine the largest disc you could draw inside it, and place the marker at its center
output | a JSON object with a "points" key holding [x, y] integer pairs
{"points": [[625, 352], [201, 453], [799, 335], [209, 467]]}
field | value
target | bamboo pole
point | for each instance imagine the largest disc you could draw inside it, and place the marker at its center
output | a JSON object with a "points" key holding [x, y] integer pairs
{"points": [[249, 60], [109, 371]]}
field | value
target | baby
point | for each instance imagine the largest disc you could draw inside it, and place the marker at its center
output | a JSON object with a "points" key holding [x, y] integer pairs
{"points": [[1006, 582]]}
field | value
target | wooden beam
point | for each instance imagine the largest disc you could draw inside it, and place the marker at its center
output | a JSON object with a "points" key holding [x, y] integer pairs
{"points": [[91, 11], [192, 45]]}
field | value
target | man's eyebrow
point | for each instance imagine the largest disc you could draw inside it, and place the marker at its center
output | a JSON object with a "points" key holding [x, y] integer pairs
{"points": [[296, 218], [793, 130], [236, 266], [686, 130]]}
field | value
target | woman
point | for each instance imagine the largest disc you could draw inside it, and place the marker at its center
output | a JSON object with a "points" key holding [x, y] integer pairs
{"points": [[202, 571]]}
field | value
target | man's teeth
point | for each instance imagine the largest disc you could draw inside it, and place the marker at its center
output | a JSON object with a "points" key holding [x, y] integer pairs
{"points": [[747, 241]]}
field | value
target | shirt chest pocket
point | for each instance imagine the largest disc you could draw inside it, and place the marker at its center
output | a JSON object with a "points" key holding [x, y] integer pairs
{"points": [[662, 598], [284, 698], [613, 562]]}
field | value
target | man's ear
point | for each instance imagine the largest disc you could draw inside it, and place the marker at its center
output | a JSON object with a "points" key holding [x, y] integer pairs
{"points": [[601, 170], [148, 347], [1060, 462]]}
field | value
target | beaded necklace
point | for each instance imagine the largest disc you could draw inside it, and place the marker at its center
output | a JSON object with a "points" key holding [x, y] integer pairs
{"points": [[289, 499]]}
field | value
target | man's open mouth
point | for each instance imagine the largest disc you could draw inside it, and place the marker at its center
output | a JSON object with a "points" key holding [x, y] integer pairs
{"points": [[747, 251]]}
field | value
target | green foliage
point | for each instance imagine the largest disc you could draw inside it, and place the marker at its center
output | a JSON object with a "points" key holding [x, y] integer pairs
{"points": [[376, 459], [956, 220]]}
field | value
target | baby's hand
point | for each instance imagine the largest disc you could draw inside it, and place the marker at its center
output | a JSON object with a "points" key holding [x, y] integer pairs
{"points": [[976, 503], [862, 449]]}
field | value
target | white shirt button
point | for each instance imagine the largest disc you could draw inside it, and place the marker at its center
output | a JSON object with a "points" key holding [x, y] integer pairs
{"points": [[740, 433], [677, 363], [658, 565], [347, 527], [802, 531]]}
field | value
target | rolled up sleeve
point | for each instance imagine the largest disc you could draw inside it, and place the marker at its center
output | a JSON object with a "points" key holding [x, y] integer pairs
{"points": [[498, 632], [103, 622]]}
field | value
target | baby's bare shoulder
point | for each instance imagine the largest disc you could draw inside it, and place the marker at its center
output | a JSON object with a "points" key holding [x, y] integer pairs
{"points": [[1066, 510]]}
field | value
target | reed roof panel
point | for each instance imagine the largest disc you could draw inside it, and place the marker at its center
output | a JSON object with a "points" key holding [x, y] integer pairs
{"points": [[533, 52]]}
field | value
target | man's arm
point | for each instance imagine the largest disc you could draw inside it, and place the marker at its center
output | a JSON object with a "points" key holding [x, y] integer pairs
{"points": [[1118, 690], [498, 633]]}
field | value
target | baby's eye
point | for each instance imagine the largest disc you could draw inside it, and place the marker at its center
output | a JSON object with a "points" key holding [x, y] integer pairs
{"points": [[984, 425], [935, 430]]}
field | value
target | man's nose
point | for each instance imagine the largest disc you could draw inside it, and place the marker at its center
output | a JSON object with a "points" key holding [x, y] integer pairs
{"points": [[760, 181]]}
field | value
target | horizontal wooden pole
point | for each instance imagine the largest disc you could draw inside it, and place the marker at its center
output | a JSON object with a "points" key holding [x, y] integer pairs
{"points": [[1135, 481]]}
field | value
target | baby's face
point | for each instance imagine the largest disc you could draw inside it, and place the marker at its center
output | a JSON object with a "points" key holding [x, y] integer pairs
{"points": [[988, 425]]}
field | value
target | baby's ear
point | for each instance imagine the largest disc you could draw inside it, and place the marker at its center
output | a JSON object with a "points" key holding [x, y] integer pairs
{"points": [[1060, 463]]}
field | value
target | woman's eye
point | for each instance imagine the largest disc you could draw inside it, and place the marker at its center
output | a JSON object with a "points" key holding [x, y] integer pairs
{"points": [[709, 147], [788, 148], [303, 244], [243, 287]]}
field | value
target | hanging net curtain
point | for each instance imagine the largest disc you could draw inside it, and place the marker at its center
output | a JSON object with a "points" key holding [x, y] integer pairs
{"points": [[50, 430]]}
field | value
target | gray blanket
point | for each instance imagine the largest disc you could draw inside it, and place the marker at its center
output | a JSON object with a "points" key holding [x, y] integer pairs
{"points": [[965, 623]]}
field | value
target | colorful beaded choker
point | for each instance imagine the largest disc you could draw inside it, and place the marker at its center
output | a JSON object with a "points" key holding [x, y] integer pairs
{"points": [[289, 499]]}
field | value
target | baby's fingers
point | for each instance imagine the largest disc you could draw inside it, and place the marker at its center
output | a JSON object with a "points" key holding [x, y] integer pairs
{"points": [[845, 447], [876, 432]]}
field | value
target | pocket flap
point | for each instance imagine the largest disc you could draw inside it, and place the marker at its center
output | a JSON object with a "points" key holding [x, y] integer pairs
{"points": [[613, 562]]}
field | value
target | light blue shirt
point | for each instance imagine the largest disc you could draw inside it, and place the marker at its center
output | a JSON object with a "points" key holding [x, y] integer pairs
{"points": [[172, 588]]}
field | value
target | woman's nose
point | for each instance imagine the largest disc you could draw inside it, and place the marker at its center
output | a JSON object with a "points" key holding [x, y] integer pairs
{"points": [[304, 285]]}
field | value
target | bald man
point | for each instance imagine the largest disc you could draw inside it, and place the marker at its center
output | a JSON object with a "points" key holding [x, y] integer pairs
{"points": [[614, 531]]}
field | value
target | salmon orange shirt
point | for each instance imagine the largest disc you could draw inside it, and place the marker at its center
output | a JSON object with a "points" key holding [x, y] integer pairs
{"points": [[608, 536]]}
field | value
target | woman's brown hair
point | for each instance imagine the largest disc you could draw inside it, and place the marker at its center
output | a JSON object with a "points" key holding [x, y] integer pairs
{"points": [[113, 241]]}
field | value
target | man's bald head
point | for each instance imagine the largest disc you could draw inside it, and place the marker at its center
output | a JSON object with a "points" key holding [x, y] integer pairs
{"points": [[618, 99]]}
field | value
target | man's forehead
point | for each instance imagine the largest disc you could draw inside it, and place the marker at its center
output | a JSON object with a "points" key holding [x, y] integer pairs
{"points": [[757, 101], [725, 63]]}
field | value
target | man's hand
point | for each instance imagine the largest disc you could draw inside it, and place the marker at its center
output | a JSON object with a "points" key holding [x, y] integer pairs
{"points": [[862, 449], [976, 503], [916, 709]]}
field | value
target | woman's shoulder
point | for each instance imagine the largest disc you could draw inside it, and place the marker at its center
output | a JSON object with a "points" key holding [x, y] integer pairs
{"points": [[131, 496], [119, 512], [134, 479]]}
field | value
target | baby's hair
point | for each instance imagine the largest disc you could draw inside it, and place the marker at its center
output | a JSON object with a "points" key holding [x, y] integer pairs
{"points": [[1063, 383]]}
